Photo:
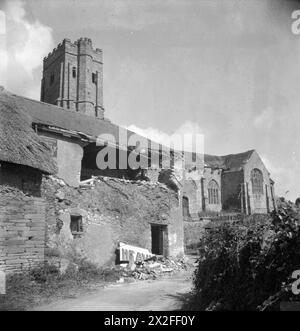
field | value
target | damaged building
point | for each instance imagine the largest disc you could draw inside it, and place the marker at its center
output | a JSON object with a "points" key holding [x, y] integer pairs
{"points": [[62, 214], [56, 200], [24, 159]]}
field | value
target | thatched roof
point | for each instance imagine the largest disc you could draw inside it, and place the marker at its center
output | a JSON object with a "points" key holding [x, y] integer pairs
{"points": [[19, 143], [55, 116]]}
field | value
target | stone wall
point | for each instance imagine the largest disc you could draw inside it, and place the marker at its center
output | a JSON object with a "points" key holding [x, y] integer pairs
{"points": [[197, 192], [259, 203], [112, 210], [192, 190], [68, 154], [152, 174], [22, 230], [72, 66], [21, 178]]}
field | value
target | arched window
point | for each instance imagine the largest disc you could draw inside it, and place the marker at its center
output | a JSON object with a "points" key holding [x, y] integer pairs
{"points": [[213, 193], [257, 181]]}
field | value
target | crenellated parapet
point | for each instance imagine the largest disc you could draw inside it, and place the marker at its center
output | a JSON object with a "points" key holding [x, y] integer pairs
{"points": [[85, 47], [73, 77], [82, 46]]}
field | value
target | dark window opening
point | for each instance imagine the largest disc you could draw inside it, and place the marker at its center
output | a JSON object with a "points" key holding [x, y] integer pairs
{"points": [[51, 79], [213, 193], [94, 78], [185, 207], [92, 163], [159, 239], [74, 72], [31, 184], [76, 226]]}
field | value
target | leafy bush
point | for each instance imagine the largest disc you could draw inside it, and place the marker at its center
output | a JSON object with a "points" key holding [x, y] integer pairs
{"points": [[89, 270], [244, 266], [44, 273]]}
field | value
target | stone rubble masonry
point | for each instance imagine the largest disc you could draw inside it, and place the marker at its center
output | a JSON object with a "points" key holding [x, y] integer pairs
{"points": [[197, 193], [112, 210], [27, 179], [22, 230], [258, 203]]}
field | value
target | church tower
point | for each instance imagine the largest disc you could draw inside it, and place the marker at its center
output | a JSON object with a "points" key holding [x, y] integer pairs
{"points": [[73, 77]]}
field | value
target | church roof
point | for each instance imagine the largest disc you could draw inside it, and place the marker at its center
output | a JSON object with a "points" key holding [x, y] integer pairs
{"points": [[232, 162], [19, 143], [228, 162]]}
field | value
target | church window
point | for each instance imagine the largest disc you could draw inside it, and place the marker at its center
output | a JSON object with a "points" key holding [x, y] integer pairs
{"points": [[74, 72], [94, 78], [213, 193], [257, 181]]}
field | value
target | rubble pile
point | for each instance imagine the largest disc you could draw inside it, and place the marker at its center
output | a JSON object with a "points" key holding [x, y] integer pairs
{"points": [[155, 267]]}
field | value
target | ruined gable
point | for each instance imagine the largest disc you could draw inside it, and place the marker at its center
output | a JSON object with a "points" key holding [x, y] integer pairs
{"points": [[112, 211]]}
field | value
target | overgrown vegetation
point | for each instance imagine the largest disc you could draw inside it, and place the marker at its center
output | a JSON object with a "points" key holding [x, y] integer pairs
{"points": [[248, 265], [46, 283]]}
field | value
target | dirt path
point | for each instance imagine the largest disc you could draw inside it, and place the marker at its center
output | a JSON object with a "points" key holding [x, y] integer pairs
{"points": [[165, 294]]}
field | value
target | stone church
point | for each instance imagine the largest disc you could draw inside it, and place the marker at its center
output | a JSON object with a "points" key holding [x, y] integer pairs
{"points": [[73, 80], [64, 128], [70, 117], [231, 183]]}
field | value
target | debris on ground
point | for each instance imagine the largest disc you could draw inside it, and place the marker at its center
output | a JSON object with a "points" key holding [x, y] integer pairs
{"points": [[155, 267]]}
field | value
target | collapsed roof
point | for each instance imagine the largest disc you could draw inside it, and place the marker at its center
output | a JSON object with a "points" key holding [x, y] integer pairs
{"points": [[45, 114]]}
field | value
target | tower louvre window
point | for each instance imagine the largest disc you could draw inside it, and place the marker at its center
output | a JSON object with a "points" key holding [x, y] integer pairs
{"points": [[74, 72], [51, 79], [94, 78]]}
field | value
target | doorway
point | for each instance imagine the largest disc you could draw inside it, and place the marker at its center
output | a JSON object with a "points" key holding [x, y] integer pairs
{"points": [[159, 238]]}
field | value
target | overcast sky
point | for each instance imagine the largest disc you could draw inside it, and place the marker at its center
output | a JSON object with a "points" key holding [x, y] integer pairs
{"points": [[228, 69]]}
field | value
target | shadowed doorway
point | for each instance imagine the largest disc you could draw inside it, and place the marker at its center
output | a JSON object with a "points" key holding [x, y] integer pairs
{"points": [[159, 237]]}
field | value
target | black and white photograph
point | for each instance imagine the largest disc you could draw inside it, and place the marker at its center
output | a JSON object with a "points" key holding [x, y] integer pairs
{"points": [[149, 158]]}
